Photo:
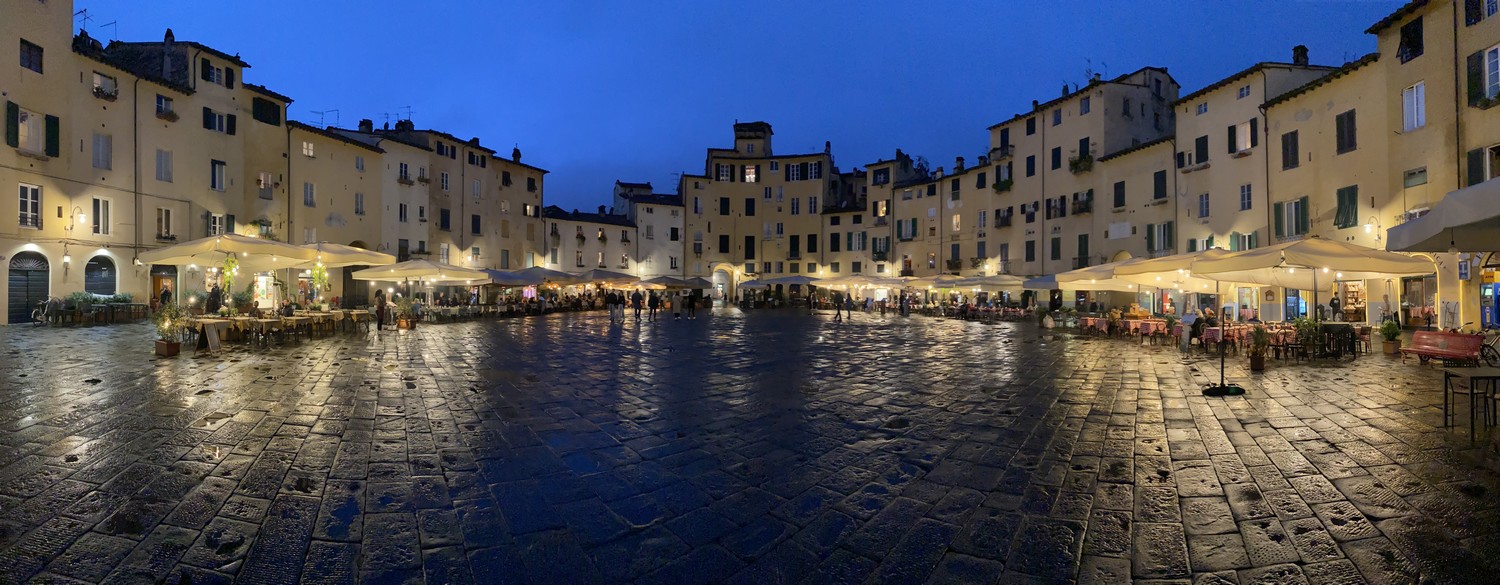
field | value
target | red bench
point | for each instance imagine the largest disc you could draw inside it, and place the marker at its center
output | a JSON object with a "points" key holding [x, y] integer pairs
{"points": [[1445, 346]]}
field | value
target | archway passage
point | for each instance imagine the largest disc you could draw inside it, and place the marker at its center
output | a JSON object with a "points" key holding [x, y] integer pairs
{"points": [[164, 276], [27, 285], [99, 276]]}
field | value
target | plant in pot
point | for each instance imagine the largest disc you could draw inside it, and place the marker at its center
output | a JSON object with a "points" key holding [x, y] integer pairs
{"points": [[168, 320], [1260, 343], [406, 313], [244, 301], [1391, 333], [1307, 334]]}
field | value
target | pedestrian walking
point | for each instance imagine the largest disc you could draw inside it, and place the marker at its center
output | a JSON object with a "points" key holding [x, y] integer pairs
{"points": [[676, 306], [652, 304], [379, 309], [636, 300], [838, 305], [809, 302], [692, 306], [849, 306]]}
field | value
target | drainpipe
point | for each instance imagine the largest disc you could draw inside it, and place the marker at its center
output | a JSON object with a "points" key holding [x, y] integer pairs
{"points": [[289, 223], [1266, 130], [135, 135], [1458, 127]]}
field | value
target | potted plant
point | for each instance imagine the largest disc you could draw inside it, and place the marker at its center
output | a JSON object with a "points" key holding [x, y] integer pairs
{"points": [[1391, 332], [168, 320], [1307, 334], [405, 313], [1260, 343], [244, 301], [195, 301]]}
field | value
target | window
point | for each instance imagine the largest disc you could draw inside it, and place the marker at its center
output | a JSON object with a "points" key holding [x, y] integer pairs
{"points": [[957, 222], [218, 224], [672, 261], [724, 244], [474, 188], [749, 247], [531, 184], [879, 177], [1245, 199], [103, 151], [749, 207], [1056, 157], [1244, 136], [1344, 132], [650, 232], [1348, 209], [1031, 126], [953, 190], [834, 220], [309, 195], [218, 122], [307, 151], [31, 206], [474, 224], [1291, 217], [217, 75], [443, 253], [1200, 150], [578, 257], [1056, 248], [1119, 194], [359, 163], [163, 222], [724, 172], [812, 243], [101, 216], [1159, 237], [751, 172], [445, 217], [1083, 106], [310, 235], [164, 165], [1414, 177], [1031, 165], [105, 86], [1289, 157], [401, 213], [1031, 250], [1159, 185], [504, 178], [796, 206], [1243, 93], [1203, 205], [780, 231], [359, 204], [1410, 46], [216, 175], [1202, 109], [984, 217], [31, 56], [1056, 117], [1414, 107], [265, 111], [676, 234], [163, 105]]}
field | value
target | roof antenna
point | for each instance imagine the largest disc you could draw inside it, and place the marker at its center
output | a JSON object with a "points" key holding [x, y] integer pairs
{"points": [[83, 16], [335, 113], [408, 111], [114, 31]]}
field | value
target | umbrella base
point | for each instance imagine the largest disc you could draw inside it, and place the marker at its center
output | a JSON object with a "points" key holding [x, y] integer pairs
{"points": [[1223, 390]]}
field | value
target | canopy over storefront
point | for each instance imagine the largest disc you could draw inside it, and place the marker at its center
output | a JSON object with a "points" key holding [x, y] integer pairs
{"points": [[1466, 220]]}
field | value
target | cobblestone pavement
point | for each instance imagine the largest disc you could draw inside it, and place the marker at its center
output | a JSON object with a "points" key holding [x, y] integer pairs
{"points": [[772, 447]]}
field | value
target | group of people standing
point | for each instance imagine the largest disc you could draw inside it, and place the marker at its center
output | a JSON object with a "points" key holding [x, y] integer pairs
{"points": [[651, 302]]}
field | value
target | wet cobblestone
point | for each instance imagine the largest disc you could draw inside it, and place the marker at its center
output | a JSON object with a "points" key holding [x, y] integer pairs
{"points": [[772, 447]]}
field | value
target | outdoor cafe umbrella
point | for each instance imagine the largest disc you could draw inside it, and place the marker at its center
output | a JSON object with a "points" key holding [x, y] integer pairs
{"points": [[253, 253], [1467, 219], [939, 281], [668, 282], [992, 282], [539, 275], [606, 277], [339, 255], [798, 280], [699, 283], [425, 270], [506, 278], [1050, 282]]}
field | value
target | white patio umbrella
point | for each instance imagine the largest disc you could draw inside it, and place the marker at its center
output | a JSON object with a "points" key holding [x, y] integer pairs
{"points": [[339, 255], [539, 275], [1175, 271], [992, 282], [699, 283], [842, 281], [1050, 283], [254, 254], [423, 270], [1466, 220], [606, 277], [668, 282], [643, 285], [753, 284], [795, 279], [939, 281], [1302, 264]]}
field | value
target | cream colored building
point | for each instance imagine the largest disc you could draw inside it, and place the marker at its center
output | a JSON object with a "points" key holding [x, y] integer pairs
{"points": [[589, 241], [1134, 210], [340, 187], [659, 221]]}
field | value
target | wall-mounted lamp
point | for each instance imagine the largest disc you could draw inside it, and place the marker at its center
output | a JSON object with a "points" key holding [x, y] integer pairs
{"points": [[1372, 225]]}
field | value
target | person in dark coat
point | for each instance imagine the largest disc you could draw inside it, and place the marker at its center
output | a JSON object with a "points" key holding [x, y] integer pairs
{"points": [[379, 309], [215, 299]]}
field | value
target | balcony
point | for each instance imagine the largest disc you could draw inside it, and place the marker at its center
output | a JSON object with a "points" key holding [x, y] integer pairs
{"points": [[1081, 164], [953, 264], [405, 180], [1080, 262], [168, 115], [1003, 267], [1083, 206], [166, 238], [423, 179], [1004, 221], [1002, 152], [907, 272], [794, 255], [1004, 186], [698, 249], [107, 94], [29, 220], [880, 256], [882, 220]]}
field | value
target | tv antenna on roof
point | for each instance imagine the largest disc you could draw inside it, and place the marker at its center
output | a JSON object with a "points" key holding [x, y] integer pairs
{"points": [[83, 17], [335, 113], [408, 111], [114, 31]]}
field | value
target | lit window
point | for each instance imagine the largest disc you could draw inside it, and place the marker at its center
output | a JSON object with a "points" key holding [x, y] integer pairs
{"points": [[307, 149]]}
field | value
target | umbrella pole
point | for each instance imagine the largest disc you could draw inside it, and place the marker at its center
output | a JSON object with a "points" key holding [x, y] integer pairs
{"points": [[1222, 389]]}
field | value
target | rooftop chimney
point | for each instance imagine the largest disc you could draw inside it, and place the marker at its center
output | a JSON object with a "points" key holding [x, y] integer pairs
{"points": [[515, 154], [958, 164], [367, 125], [1299, 55], [166, 54], [1065, 88], [601, 210]]}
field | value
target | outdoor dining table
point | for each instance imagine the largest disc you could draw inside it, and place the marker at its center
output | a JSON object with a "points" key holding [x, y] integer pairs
{"points": [[210, 333], [358, 316], [298, 323], [1472, 376]]}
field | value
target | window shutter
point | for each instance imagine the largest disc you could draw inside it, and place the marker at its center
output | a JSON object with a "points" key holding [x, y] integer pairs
{"points": [[208, 119], [1254, 240], [802, 168], [206, 70], [229, 123], [1192, 246], [1303, 219], [758, 178], [1201, 145], [1473, 12], [1170, 236], [229, 77], [1181, 158], [1279, 220], [1254, 132], [1234, 241], [1232, 132], [12, 124], [208, 224], [1209, 244], [54, 139], [1476, 166], [1150, 237], [229, 223]]}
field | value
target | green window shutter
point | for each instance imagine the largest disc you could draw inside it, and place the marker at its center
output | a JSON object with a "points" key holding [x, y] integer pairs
{"points": [[12, 125], [229, 77], [208, 224], [1476, 78], [1303, 219], [758, 178], [1210, 242], [54, 138], [1348, 211], [229, 124], [1192, 246], [1276, 216], [1254, 240], [1234, 241], [1150, 237], [1232, 132], [1171, 235], [1254, 132], [205, 69], [1476, 166], [229, 223]]}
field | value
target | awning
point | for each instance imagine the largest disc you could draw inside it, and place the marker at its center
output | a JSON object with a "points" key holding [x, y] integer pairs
{"points": [[1467, 219], [254, 254], [338, 255], [1309, 264]]}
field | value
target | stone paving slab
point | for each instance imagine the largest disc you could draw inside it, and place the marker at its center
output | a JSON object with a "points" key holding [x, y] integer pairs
{"points": [[769, 447]]}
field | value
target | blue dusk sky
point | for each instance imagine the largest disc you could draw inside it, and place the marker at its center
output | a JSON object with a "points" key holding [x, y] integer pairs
{"points": [[605, 90]]}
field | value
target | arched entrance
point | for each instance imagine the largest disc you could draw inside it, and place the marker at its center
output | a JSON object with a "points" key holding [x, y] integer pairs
{"points": [[27, 285], [724, 284], [99, 276], [164, 277]]}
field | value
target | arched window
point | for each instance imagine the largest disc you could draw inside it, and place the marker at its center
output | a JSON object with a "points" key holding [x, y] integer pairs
{"points": [[27, 285], [99, 276]]}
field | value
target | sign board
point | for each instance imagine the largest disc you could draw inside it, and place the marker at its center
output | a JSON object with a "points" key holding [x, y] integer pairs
{"points": [[1463, 269]]}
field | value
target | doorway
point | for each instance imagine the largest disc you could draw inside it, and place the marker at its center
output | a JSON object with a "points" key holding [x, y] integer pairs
{"points": [[163, 277], [27, 285]]}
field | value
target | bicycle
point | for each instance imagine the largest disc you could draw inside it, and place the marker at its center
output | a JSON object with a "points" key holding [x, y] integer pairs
{"points": [[42, 315], [1490, 351]]}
